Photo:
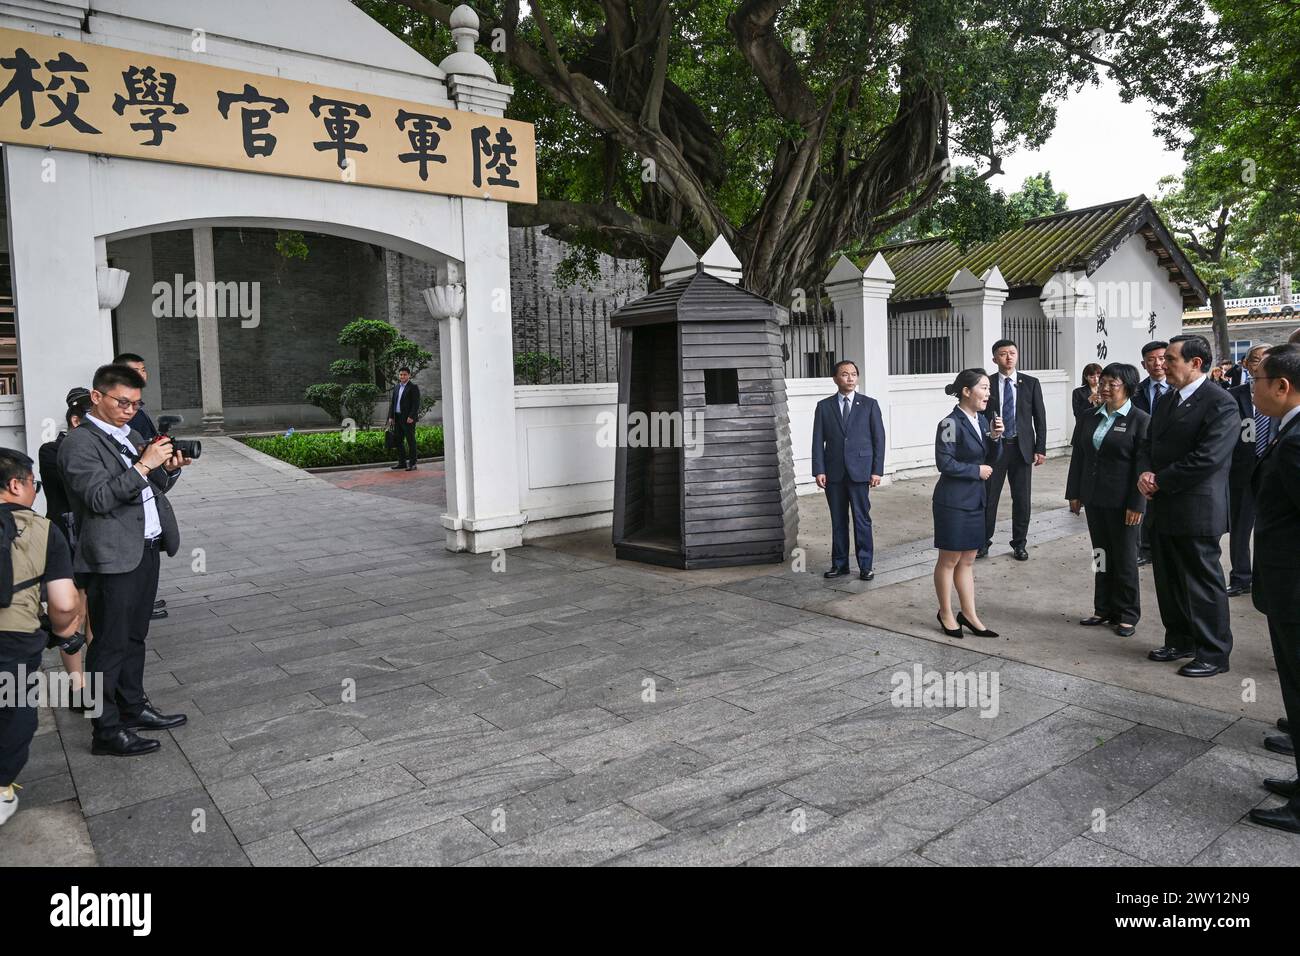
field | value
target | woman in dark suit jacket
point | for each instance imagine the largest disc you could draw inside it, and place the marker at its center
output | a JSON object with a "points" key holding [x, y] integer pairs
{"points": [[1103, 479], [964, 451], [1086, 398]]}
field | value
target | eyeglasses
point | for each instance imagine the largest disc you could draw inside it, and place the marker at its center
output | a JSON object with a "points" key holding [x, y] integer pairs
{"points": [[125, 403], [33, 479]]}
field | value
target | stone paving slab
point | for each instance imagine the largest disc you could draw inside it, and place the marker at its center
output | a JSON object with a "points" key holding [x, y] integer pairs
{"points": [[353, 703]]}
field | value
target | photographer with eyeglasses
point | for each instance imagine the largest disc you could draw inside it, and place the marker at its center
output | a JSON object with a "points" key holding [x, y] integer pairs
{"points": [[117, 484]]}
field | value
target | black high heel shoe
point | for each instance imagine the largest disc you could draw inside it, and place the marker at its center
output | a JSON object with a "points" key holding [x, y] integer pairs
{"points": [[955, 632], [961, 620]]}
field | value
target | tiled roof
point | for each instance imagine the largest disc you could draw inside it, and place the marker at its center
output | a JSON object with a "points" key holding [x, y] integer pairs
{"points": [[1027, 256]]}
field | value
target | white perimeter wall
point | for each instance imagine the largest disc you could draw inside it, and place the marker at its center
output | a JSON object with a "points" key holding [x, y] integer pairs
{"points": [[566, 480]]}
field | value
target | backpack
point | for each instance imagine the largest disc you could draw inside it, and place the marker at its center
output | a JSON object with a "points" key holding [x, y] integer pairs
{"points": [[10, 540]]}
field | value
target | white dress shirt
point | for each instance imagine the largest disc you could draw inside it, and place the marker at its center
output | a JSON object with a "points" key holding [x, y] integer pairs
{"points": [[1286, 418], [1187, 391], [152, 524]]}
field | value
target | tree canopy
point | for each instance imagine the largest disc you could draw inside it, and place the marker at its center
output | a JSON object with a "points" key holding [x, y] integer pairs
{"points": [[797, 129]]}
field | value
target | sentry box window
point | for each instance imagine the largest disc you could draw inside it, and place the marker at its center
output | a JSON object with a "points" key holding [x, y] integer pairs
{"points": [[721, 387]]}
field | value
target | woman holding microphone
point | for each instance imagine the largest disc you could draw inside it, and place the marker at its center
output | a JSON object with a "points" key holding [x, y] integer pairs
{"points": [[964, 450], [1103, 480]]}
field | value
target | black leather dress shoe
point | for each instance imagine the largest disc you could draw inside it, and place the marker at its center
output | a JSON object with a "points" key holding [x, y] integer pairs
{"points": [[158, 613], [398, 467], [1125, 630], [1165, 654], [1283, 818], [1284, 725], [1280, 745], [982, 552], [159, 603], [1095, 621], [122, 743], [866, 575], [1143, 561], [150, 719], [1020, 554], [836, 573], [1201, 669], [1238, 589], [1283, 788]]}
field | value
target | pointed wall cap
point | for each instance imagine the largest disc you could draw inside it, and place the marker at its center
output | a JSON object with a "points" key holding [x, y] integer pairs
{"points": [[878, 268], [843, 271], [680, 256], [720, 256], [964, 281], [992, 277]]}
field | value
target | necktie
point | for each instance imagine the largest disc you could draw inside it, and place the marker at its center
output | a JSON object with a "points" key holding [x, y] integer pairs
{"points": [[844, 408], [1009, 407], [1160, 393], [1263, 433]]}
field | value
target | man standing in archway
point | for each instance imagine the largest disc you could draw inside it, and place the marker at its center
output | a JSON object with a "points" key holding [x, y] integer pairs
{"points": [[403, 410]]}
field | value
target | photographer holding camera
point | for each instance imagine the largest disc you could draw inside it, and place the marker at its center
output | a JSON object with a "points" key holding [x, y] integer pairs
{"points": [[147, 430], [117, 484], [34, 554]]}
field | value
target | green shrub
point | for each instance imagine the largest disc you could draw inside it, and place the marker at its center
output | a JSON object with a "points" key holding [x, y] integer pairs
{"points": [[325, 449]]}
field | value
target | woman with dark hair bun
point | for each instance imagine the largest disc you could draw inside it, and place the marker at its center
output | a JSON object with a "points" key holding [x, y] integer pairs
{"points": [[965, 448]]}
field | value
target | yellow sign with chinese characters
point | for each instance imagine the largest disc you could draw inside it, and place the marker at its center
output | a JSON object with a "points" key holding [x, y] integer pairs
{"points": [[96, 99]]}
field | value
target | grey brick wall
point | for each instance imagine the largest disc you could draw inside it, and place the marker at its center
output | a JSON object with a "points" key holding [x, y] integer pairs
{"points": [[305, 303]]}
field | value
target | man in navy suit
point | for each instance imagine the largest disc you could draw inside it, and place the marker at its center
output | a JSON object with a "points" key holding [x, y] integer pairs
{"points": [[848, 460], [1276, 590], [1018, 399], [1153, 388], [1257, 431]]}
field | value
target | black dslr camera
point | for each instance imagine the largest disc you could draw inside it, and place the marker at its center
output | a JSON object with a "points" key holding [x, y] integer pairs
{"points": [[188, 447]]}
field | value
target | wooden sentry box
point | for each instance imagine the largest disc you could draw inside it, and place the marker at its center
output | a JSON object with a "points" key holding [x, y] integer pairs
{"points": [[710, 354]]}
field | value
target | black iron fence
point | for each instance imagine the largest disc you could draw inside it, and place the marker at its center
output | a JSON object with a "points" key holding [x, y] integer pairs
{"points": [[1036, 338], [926, 342], [565, 341], [813, 342]]}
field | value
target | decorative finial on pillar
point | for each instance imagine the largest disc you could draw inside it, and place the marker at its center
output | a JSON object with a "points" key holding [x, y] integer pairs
{"points": [[464, 30]]}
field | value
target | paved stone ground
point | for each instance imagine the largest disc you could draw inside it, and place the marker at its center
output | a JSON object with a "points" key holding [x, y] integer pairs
{"points": [[502, 715]]}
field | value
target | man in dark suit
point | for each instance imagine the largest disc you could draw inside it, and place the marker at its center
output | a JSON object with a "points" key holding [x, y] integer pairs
{"points": [[1254, 437], [403, 410], [1149, 393], [1183, 471], [142, 424], [848, 460], [1276, 591], [117, 484], [1017, 399]]}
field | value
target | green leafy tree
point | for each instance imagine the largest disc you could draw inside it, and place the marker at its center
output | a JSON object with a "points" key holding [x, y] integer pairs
{"points": [[796, 129], [1237, 204], [359, 382]]}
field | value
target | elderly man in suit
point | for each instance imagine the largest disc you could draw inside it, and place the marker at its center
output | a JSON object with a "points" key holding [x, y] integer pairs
{"points": [[117, 484], [1018, 399], [1183, 471], [848, 460], [1276, 591], [403, 410], [1254, 437], [1147, 396]]}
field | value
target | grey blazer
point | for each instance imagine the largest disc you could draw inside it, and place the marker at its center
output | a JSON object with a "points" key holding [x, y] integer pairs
{"points": [[105, 495]]}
